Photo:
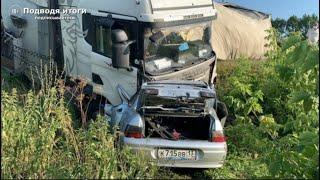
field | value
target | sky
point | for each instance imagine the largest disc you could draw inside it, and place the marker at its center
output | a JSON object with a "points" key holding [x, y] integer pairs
{"points": [[281, 8]]}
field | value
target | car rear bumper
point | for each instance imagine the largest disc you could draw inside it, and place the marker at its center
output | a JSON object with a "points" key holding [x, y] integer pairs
{"points": [[210, 154]]}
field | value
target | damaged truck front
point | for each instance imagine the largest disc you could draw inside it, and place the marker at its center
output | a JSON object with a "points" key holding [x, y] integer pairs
{"points": [[148, 63], [174, 123]]}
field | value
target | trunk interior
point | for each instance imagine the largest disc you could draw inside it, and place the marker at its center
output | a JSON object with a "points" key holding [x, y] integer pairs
{"points": [[176, 128]]}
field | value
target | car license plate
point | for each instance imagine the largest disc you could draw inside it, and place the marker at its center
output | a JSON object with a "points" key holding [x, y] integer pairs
{"points": [[177, 154]]}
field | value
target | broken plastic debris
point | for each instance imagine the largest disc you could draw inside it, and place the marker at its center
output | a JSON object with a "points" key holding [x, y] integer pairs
{"points": [[183, 46]]}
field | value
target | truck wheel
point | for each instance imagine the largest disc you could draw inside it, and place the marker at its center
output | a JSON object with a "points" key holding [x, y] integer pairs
{"points": [[94, 107], [94, 110]]}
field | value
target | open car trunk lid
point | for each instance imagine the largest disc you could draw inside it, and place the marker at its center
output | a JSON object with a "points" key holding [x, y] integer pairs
{"points": [[178, 111]]}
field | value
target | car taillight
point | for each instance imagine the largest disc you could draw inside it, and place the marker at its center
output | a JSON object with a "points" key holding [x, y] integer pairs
{"points": [[133, 132], [218, 136]]}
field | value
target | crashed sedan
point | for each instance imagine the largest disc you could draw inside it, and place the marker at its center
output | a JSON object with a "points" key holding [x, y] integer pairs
{"points": [[173, 123]]}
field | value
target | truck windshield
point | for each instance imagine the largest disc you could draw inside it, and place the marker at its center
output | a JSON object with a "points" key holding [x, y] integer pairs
{"points": [[175, 48]]}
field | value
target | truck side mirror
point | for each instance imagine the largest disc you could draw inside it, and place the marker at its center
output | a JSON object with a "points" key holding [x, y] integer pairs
{"points": [[120, 49]]}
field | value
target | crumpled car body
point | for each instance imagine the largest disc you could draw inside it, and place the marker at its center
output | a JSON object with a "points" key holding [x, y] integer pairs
{"points": [[173, 123]]}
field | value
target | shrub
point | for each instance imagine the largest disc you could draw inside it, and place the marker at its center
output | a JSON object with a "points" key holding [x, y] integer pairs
{"points": [[275, 105], [40, 141]]}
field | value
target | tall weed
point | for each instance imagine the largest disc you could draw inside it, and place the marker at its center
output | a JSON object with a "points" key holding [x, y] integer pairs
{"points": [[40, 141], [275, 105]]}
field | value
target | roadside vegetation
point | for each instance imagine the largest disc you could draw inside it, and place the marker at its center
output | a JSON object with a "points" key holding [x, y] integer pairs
{"points": [[274, 113], [40, 139], [273, 128]]}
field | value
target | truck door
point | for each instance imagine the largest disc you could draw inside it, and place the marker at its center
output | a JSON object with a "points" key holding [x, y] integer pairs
{"points": [[98, 65]]}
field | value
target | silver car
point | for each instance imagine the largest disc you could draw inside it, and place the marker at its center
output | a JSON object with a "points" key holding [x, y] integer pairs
{"points": [[174, 123]]}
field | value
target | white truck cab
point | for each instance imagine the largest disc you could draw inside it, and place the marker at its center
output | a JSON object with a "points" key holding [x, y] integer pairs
{"points": [[125, 42]]}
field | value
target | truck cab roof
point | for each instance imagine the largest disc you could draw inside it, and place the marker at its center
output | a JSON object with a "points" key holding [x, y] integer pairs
{"points": [[148, 10]]}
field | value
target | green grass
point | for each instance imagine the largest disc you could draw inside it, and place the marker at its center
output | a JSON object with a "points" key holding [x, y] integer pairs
{"points": [[40, 141], [11, 81]]}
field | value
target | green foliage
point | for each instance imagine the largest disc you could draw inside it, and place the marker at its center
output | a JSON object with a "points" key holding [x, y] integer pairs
{"points": [[280, 25], [275, 107], [38, 141], [9, 82], [307, 21], [239, 166], [273, 39], [294, 24]]}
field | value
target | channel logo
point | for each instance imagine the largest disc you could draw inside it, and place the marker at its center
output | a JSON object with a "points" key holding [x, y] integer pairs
{"points": [[16, 10]]}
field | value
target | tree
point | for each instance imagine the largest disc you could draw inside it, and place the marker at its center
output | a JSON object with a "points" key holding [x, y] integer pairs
{"points": [[293, 24], [280, 25], [306, 22]]}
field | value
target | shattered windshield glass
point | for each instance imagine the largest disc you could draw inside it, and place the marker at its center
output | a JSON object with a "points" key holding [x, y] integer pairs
{"points": [[174, 48]]}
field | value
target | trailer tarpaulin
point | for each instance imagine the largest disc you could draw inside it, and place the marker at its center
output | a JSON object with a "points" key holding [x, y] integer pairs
{"points": [[239, 31]]}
